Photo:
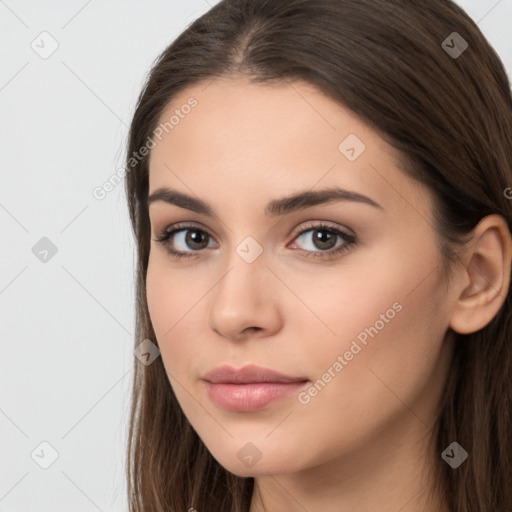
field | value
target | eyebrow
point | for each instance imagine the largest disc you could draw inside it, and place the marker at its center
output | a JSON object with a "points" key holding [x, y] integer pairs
{"points": [[274, 208]]}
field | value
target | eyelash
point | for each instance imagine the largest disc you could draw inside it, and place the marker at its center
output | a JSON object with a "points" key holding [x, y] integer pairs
{"points": [[349, 240]]}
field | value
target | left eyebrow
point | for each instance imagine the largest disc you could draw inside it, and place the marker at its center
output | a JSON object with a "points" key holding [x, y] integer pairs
{"points": [[310, 198], [274, 208]]}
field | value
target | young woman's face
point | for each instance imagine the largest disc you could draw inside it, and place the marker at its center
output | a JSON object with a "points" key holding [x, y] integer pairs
{"points": [[345, 297]]}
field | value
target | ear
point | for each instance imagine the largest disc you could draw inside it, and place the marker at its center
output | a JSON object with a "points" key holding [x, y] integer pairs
{"points": [[485, 276]]}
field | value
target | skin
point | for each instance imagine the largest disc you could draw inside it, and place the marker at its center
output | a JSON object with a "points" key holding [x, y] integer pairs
{"points": [[363, 442]]}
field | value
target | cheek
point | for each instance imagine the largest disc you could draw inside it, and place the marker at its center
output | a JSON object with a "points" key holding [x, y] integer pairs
{"points": [[392, 290], [384, 342], [174, 302], [170, 294]]}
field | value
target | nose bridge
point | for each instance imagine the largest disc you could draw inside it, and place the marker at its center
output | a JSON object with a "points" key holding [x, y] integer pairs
{"points": [[244, 297], [245, 272]]}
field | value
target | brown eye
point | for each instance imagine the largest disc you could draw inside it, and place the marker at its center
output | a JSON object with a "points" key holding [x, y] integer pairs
{"points": [[195, 239], [186, 238], [322, 241], [185, 241]]}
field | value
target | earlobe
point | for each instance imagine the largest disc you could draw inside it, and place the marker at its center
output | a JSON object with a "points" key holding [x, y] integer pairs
{"points": [[487, 268]]}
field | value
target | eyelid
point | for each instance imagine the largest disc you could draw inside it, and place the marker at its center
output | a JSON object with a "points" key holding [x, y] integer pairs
{"points": [[324, 224], [178, 226]]}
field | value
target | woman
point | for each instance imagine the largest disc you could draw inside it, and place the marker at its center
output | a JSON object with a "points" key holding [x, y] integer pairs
{"points": [[318, 190]]}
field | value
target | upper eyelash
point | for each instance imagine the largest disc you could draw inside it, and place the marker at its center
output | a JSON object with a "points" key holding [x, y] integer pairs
{"points": [[349, 240]]}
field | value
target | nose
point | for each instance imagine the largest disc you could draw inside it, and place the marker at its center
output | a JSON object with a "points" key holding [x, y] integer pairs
{"points": [[245, 302]]}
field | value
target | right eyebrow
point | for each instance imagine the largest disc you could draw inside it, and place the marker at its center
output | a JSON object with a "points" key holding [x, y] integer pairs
{"points": [[176, 198]]}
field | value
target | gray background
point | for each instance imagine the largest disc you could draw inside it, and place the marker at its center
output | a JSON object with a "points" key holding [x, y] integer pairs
{"points": [[67, 323]]}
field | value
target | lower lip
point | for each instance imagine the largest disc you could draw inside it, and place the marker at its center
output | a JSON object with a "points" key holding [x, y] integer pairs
{"points": [[251, 397]]}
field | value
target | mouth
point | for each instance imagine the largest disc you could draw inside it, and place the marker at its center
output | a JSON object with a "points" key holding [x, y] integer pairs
{"points": [[250, 388]]}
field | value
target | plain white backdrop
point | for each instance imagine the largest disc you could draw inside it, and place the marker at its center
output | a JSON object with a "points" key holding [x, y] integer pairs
{"points": [[69, 78]]}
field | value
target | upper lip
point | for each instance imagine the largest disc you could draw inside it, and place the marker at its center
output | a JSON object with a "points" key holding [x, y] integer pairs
{"points": [[246, 375]]}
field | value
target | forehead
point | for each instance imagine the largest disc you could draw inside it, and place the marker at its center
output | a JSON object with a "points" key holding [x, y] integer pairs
{"points": [[242, 137], [257, 118]]}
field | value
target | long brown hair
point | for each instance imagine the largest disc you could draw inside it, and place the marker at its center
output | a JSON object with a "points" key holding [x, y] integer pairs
{"points": [[450, 116]]}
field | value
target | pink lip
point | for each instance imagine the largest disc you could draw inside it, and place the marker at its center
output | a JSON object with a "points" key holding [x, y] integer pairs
{"points": [[250, 388]]}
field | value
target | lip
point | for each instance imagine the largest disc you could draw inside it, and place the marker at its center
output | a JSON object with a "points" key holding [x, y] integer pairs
{"points": [[249, 374], [250, 388]]}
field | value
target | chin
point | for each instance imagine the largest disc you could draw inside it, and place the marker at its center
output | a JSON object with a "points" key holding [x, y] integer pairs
{"points": [[249, 461]]}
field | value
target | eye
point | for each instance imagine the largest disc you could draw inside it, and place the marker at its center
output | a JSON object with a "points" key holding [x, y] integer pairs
{"points": [[324, 241], [184, 236]]}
